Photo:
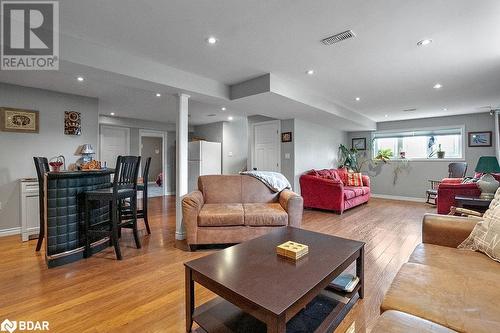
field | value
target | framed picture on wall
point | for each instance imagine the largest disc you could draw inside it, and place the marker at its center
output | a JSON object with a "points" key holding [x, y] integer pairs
{"points": [[18, 120], [359, 143], [72, 123], [480, 139], [286, 137]]}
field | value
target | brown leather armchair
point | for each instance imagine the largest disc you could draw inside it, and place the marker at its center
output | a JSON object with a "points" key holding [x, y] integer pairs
{"points": [[229, 209]]}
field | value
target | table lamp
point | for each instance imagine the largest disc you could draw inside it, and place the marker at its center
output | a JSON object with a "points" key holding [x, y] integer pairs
{"points": [[86, 151], [488, 184]]}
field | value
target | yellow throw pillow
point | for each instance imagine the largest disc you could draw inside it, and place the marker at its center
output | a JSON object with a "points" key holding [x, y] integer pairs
{"points": [[486, 234]]}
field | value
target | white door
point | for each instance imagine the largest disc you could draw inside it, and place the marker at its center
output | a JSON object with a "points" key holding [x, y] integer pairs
{"points": [[266, 147], [115, 141]]}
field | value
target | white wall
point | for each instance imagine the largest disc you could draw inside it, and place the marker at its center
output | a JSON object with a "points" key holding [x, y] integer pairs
{"points": [[235, 145], [413, 182], [316, 147], [17, 149]]}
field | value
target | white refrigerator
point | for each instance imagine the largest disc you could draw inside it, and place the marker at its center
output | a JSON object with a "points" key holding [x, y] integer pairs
{"points": [[204, 158]]}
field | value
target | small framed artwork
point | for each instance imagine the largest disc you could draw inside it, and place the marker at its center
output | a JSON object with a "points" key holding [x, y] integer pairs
{"points": [[19, 120], [359, 143], [480, 139], [286, 137], [72, 123]]}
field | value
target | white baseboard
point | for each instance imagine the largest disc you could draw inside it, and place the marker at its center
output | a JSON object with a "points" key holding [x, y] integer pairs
{"points": [[397, 197], [10, 231]]}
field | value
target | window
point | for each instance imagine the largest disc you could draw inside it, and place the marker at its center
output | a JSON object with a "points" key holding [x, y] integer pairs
{"points": [[421, 144]]}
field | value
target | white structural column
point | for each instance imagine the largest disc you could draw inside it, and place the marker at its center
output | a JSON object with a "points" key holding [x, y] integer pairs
{"points": [[497, 133], [181, 174]]}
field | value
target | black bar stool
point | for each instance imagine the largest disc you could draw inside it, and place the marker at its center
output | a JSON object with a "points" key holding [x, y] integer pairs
{"points": [[126, 212], [124, 187], [41, 166]]}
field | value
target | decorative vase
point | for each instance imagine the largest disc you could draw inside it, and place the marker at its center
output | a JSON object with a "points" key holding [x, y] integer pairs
{"points": [[488, 185], [440, 154]]}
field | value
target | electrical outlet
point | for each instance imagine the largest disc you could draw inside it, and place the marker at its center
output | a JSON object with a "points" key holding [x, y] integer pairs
{"points": [[230, 154], [0, 205]]}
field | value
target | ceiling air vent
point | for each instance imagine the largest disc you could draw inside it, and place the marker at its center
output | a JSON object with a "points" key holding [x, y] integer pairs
{"points": [[410, 110], [338, 37]]}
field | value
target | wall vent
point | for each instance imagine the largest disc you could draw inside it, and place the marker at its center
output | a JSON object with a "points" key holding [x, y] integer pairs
{"points": [[410, 110], [338, 37]]}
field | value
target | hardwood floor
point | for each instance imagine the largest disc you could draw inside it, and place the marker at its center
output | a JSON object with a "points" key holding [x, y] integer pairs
{"points": [[145, 291]]}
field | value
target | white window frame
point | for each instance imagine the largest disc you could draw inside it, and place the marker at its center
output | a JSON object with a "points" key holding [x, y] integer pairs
{"points": [[426, 159]]}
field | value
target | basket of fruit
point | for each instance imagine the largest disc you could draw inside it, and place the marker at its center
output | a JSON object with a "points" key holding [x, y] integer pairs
{"points": [[92, 165]]}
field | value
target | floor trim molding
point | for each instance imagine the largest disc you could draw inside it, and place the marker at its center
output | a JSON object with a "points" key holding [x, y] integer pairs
{"points": [[10, 231], [397, 197]]}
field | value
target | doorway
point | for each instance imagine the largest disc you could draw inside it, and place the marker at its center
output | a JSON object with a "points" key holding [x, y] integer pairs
{"points": [[266, 146], [152, 144]]}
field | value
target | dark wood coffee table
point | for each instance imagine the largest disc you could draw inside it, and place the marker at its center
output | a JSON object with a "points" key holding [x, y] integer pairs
{"points": [[263, 292], [474, 203]]}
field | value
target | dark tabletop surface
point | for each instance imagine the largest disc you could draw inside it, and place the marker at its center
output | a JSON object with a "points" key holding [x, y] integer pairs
{"points": [[471, 198], [66, 174], [254, 270]]}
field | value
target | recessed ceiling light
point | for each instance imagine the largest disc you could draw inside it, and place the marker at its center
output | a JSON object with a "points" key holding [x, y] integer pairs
{"points": [[424, 42], [211, 40], [229, 118], [358, 99], [438, 86], [158, 95], [386, 115], [445, 109], [223, 108], [310, 72], [112, 113], [80, 79]]}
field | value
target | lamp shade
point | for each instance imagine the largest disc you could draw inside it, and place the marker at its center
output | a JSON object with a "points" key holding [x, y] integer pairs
{"points": [[487, 164], [87, 149]]}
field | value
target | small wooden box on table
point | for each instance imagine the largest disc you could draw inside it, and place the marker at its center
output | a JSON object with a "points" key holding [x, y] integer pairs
{"points": [[260, 291]]}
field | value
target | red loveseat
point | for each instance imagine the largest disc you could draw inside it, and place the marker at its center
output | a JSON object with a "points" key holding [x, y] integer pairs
{"points": [[451, 187], [325, 189]]}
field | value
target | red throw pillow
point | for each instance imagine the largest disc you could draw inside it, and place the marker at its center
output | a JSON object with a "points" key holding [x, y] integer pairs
{"points": [[354, 179], [342, 173]]}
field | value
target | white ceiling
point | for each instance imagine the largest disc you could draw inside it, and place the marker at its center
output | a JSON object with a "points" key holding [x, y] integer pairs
{"points": [[382, 65]]}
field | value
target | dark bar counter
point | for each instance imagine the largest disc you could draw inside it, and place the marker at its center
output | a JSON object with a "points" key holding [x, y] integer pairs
{"points": [[65, 213]]}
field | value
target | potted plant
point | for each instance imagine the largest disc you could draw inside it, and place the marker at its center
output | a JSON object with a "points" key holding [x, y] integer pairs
{"points": [[439, 152]]}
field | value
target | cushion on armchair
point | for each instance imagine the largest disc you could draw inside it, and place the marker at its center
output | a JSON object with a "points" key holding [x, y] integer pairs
{"points": [[486, 234]]}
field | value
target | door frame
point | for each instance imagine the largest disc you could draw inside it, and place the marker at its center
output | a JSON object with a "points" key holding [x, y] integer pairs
{"points": [[157, 134], [252, 141], [101, 129]]}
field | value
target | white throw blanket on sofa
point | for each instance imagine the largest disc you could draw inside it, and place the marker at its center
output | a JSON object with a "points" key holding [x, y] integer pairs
{"points": [[274, 180]]}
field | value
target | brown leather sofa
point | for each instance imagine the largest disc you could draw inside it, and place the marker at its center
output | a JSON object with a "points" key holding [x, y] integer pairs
{"points": [[442, 288], [230, 209]]}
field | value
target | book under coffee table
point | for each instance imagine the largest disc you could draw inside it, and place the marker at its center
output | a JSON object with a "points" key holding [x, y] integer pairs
{"points": [[260, 291]]}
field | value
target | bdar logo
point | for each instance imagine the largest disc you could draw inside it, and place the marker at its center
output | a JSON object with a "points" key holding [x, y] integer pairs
{"points": [[8, 326]]}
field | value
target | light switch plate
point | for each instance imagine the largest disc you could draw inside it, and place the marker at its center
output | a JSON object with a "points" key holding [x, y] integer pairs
{"points": [[287, 156], [230, 154]]}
